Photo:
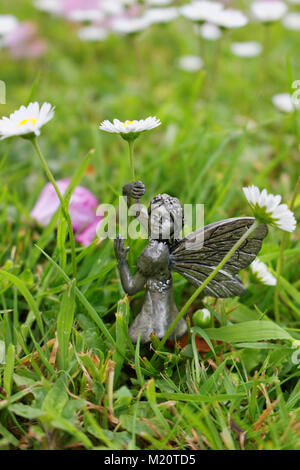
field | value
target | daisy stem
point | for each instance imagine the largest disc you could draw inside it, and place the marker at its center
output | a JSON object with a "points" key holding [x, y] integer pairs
{"points": [[266, 51], [131, 148], [280, 258], [60, 197], [207, 280]]}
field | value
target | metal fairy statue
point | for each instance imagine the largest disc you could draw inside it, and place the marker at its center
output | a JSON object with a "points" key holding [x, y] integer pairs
{"points": [[209, 258], [194, 261]]}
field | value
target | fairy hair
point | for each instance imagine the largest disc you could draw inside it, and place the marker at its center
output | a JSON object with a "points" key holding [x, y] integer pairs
{"points": [[173, 206]]}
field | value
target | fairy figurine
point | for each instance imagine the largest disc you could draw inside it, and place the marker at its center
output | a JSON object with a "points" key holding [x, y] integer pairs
{"points": [[194, 257]]}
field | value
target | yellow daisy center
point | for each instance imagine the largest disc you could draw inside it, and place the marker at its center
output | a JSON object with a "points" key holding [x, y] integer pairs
{"points": [[22, 123], [126, 123]]}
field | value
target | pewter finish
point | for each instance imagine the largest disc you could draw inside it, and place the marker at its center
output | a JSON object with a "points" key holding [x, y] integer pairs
{"points": [[195, 262]]}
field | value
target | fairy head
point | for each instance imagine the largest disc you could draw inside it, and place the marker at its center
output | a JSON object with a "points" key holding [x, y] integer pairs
{"points": [[165, 218]]}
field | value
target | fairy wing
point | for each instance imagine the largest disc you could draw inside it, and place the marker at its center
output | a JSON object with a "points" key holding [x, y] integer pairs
{"points": [[198, 254]]}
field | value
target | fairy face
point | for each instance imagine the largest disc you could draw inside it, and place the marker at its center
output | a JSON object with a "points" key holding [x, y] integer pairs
{"points": [[161, 223]]}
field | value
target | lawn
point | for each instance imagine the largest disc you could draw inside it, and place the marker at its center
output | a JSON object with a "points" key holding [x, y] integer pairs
{"points": [[70, 377]]}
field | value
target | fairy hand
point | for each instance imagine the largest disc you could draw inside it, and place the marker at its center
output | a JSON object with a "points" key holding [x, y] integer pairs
{"points": [[134, 190], [120, 250]]}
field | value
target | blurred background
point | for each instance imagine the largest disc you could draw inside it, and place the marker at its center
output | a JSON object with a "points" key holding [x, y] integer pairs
{"points": [[223, 78]]}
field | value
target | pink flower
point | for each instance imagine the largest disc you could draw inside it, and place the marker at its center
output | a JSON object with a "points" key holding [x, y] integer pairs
{"points": [[81, 208], [23, 42]]}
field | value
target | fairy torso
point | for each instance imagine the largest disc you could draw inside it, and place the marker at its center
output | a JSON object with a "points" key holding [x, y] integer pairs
{"points": [[153, 263], [159, 308]]}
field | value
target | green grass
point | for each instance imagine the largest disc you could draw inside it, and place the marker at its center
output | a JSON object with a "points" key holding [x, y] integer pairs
{"points": [[220, 131]]}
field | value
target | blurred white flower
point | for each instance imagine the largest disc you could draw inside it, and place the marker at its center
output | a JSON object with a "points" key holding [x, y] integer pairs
{"points": [[266, 11], [49, 6], [8, 23], [112, 7], [262, 273], [130, 25], [210, 31], [130, 127], [292, 21], [284, 102], [190, 63], [246, 49], [159, 2], [92, 33], [201, 10], [27, 120], [230, 19], [79, 15], [161, 15], [267, 209]]}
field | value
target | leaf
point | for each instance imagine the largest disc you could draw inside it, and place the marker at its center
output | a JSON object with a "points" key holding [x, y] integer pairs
{"points": [[61, 239], [26, 411], [56, 398], [121, 337], [130, 423], [137, 362], [290, 289], [92, 312], [2, 352], [25, 292], [62, 423], [22, 381], [65, 322], [33, 88], [98, 431], [9, 368], [8, 436], [248, 331], [199, 398], [201, 332], [27, 277]]}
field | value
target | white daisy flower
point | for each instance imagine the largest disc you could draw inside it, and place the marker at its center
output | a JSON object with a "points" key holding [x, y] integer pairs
{"points": [[86, 15], [161, 15], [49, 6], [292, 21], [130, 25], [201, 10], [112, 7], [92, 33], [266, 11], [262, 273], [246, 49], [230, 18], [267, 209], [8, 23], [285, 102], [210, 31], [26, 121], [130, 130], [159, 2], [190, 63]]}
